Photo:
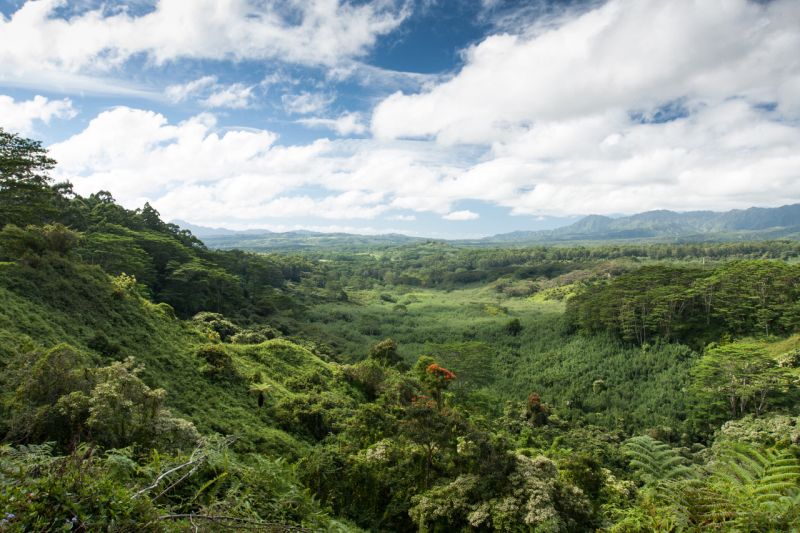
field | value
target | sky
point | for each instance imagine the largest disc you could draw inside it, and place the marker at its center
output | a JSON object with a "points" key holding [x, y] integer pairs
{"points": [[439, 118]]}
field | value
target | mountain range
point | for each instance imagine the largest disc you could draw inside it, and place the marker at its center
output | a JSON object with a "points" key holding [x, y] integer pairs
{"points": [[756, 223]]}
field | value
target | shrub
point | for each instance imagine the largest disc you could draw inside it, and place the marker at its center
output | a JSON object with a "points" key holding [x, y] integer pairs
{"points": [[217, 323], [218, 363], [385, 352], [79, 492]]}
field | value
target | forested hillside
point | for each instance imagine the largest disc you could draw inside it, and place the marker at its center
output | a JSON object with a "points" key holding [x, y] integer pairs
{"points": [[148, 383]]}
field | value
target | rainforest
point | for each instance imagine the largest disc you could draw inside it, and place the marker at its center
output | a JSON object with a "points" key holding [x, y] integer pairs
{"points": [[150, 383]]}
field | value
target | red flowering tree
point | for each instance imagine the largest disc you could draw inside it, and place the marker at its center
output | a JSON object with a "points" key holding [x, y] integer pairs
{"points": [[434, 377]]}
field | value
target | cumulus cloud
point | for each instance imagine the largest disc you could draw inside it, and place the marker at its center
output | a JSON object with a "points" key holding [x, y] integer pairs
{"points": [[608, 58], [20, 116], [136, 153], [345, 124], [308, 32], [191, 171], [631, 106], [461, 215]]}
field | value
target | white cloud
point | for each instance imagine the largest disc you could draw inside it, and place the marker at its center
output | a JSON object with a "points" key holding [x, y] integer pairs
{"points": [[625, 54], [306, 102], [20, 116], [136, 153], [631, 106], [211, 94], [461, 215], [345, 124], [635, 105], [720, 157], [180, 92], [192, 171], [308, 32], [235, 96], [402, 218]]}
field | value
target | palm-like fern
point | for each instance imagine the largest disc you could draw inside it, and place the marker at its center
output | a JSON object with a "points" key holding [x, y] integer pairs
{"points": [[656, 462], [744, 488], [750, 488]]}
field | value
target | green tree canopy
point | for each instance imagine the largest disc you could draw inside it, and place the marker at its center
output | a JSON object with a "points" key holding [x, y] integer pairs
{"points": [[25, 193]]}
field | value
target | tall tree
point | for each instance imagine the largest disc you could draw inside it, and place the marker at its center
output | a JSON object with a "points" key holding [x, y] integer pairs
{"points": [[25, 193]]}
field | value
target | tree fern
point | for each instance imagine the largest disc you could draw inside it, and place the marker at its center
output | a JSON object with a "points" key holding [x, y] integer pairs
{"points": [[750, 488], [656, 462], [767, 474]]}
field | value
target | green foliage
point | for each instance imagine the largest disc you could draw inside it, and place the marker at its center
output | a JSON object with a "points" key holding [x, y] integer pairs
{"points": [[385, 352], [732, 380], [40, 383], [271, 432], [514, 327], [25, 195], [79, 492], [215, 322], [218, 363], [534, 499], [124, 411], [655, 463], [772, 429], [33, 242], [692, 304], [59, 397]]}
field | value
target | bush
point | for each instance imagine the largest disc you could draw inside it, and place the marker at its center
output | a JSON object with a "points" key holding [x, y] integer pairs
{"points": [[385, 352], [60, 398], [218, 363], [255, 336], [217, 323], [79, 492]]}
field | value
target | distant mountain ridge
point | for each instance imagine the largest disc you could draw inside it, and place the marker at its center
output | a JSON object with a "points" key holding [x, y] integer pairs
{"points": [[204, 231], [755, 222], [265, 240]]}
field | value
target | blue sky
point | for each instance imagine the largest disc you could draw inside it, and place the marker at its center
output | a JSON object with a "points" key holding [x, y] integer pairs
{"points": [[428, 117]]}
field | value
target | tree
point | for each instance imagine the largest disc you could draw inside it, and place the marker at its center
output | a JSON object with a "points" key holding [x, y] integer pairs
{"points": [[25, 193], [385, 352], [28, 244], [434, 378], [735, 379]]}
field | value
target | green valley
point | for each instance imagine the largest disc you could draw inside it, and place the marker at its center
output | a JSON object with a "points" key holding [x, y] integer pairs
{"points": [[151, 383]]}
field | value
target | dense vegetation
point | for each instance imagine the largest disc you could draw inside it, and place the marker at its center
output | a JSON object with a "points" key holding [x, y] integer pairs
{"points": [[148, 383]]}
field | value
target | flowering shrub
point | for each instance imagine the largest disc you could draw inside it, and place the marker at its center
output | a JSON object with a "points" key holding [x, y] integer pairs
{"points": [[440, 373]]}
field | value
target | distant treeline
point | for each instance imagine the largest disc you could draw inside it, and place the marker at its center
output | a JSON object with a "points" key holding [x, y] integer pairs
{"points": [[692, 304], [438, 265]]}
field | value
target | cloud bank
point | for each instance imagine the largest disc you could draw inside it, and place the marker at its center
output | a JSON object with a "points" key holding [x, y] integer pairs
{"points": [[634, 105]]}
